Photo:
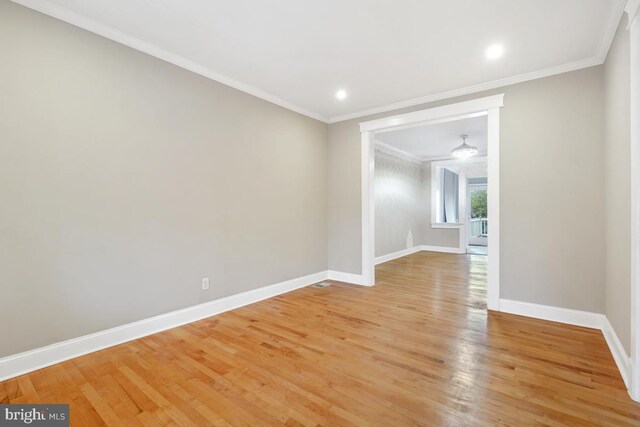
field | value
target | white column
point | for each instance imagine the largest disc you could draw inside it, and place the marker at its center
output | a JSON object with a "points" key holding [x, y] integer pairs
{"points": [[493, 208], [368, 229], [634, 33], [463, 231]]}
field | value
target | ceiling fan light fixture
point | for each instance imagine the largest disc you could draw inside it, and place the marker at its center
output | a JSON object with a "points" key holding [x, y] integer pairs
{"points": [[464, 150]]}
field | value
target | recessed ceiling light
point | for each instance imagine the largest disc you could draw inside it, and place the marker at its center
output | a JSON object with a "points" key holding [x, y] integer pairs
{"points": [[494, 51], [341, 94]]}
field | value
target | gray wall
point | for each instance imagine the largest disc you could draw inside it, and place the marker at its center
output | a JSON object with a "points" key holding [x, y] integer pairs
{"points": [[399, 203], [124, 180], [617, 186], [552, 224], [402, 200], [344, 198]]}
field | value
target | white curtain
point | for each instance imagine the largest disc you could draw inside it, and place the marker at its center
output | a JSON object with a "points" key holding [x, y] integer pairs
{"points": [[449, 196]]}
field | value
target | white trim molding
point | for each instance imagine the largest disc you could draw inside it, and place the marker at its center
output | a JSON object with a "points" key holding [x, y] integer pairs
{"points": [[610, 30], [396, 152], [633, 10], [399, 254], [28, 361], [451, 112], [93, 26], [493, 208], [443, 249], [623, 361], [481, 153], [521, 78], [436, 197], [368, 212], [454, 225], [32, 360], [111, 33], [578, 318], [586, 319], [600, 55], [395, 255], [339, 276]]}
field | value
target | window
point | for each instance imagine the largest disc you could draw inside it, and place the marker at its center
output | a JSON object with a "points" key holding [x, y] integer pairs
{"points": [[448, 211], [448, 193]]}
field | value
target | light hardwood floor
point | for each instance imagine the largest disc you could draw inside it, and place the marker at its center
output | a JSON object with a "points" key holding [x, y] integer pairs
{"points": [[416, 349]]}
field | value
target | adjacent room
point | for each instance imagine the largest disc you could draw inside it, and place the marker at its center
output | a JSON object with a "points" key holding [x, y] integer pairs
{"points": [[314, 213], [430, 189]]}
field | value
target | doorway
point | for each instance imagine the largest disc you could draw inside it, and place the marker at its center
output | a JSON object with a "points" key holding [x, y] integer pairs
{"points": [[489, 106], [477, 216]]}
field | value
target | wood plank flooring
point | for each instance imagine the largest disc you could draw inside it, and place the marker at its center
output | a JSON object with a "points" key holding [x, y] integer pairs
{"points": [[417, 349]]}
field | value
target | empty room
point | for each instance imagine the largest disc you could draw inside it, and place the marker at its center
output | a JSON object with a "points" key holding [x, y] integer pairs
{"points": [[320, 213]]}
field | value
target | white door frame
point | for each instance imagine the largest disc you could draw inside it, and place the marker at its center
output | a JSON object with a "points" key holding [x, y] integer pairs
{"points": [[467, 219], [633, 11], [488, 105]]}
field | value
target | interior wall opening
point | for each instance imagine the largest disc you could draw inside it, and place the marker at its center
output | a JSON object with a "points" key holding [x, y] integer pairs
{"points": [[425, 195], [397, 137]]}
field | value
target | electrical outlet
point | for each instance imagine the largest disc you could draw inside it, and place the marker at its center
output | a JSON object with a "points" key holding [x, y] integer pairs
{"points": [[205, 283]]}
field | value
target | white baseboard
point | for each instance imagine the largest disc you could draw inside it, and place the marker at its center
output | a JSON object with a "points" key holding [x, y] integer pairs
{"points": [[445, 249], [32, 360], [617, 350], [579, 318], [22, 363], [354, 279], [413, 250], [398, 254], [554, 314]]}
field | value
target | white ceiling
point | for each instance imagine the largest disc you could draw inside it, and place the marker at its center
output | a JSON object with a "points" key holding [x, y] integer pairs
{"points": [[385, 54], [436, 141]]}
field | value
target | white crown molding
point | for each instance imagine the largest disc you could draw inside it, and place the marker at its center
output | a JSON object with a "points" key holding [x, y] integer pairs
{"points": [[396, 152], [48, 8], [451, 157], [404, 155], [547, 72], [610, 31], [632, 8], [113, 34], [459, 162]]}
